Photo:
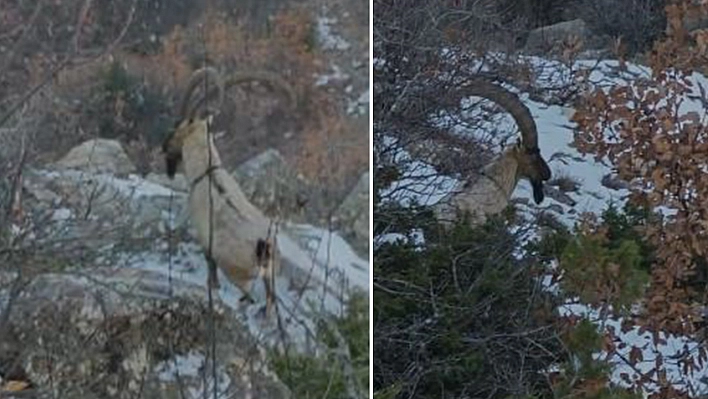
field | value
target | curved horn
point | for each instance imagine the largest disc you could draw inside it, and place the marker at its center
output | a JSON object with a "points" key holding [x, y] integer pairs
{"points": [[187, 111], [202, 77], [511, 103], [273, 82]]}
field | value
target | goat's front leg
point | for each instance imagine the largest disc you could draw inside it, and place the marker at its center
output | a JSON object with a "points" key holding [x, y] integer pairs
{"points": [[246, 290], [213, 274]]}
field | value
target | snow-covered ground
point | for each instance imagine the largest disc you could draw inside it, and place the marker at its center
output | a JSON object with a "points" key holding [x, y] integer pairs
{"points": [[423, 186], [322, 260], [319, 268]]}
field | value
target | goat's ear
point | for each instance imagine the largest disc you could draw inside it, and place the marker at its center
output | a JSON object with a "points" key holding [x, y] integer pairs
{"points": [[538, 195]]}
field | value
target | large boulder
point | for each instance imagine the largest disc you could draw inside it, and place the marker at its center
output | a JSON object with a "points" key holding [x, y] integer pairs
{"points": [[352, 216], [273, 185], [89, 211], [550, 39], [120, 334], [113, 278], [98, 156]]}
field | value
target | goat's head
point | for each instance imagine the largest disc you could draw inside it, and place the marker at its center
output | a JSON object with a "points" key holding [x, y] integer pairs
{"points": [[194, 118], [531, 164], [172, 147], [195, 113]]}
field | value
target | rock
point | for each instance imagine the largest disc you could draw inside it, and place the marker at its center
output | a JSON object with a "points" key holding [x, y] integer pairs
{"points": [[98, 210], [178, 183], [558, 195], [89, 338], [107, 237], [352, 216], [104, 220], [98, 156], [273, 186], [549, 39], [614, 182]]}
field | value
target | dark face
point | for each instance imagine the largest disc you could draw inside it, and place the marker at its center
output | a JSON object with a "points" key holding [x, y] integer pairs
{"points": [[172, 146], [533, 167]]}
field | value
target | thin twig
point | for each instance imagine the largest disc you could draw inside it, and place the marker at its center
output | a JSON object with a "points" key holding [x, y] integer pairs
{"points": [[69, 59], [21, 41]]}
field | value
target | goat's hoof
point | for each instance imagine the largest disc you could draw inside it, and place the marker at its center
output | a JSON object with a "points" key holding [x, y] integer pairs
{"points": [[264, 313]]}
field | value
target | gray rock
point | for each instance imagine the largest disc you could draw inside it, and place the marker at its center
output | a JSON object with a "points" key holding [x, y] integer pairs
{"points": [[558, 195], [98, 156], [352, 216], [614, 182], [695, 21], [90, 211], [96, 338], [548, 39], [98, 219], [273, 186], [178, 183]]}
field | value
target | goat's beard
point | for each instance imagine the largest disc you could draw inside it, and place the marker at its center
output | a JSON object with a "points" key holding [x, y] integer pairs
{"points": [[537, 186]]}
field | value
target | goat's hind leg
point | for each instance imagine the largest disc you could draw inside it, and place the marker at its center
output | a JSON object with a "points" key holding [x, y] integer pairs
{"points": [[265, 264], [268, 273]]}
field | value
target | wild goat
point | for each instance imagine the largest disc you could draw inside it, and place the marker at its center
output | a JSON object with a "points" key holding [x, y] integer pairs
{"points": [[229, 227], [490, 193]]}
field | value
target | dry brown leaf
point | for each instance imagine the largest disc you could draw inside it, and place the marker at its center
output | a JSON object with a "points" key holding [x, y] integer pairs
{"points": [[14, 386]]}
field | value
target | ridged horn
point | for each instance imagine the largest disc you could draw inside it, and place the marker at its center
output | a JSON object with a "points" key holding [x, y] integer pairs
{"points": [[206, 76], [272, 81], [511, 103], [209, 77]]}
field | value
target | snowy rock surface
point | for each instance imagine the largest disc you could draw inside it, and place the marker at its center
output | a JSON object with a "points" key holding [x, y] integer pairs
{"points": [[118, 333], [98, 156], [122, 257]]}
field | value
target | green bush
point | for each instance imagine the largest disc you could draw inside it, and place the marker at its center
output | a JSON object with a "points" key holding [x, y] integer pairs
{"points": [[449, 317]]}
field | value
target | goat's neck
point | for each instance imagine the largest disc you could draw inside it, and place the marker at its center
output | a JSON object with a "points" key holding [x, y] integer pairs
{"points": [[503, 172], [199, 154]]}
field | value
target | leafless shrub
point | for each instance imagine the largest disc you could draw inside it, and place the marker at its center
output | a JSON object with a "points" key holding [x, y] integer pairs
{"points": [[637, 22]]}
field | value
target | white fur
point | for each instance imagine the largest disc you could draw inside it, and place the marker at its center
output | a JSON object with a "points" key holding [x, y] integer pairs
{"points": [[488, 195], [237, 223]]}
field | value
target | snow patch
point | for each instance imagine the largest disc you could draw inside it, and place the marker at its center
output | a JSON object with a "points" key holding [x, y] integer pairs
{"points": [[360, 105], [326, 36], [180, 365], [337, 75]]}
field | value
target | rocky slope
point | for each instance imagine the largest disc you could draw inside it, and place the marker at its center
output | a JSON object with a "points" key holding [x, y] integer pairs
{"points": [[113, 302]]}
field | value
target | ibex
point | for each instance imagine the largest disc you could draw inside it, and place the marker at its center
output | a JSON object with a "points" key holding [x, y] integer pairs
{"points": [[239, 237], [490, 193]]}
